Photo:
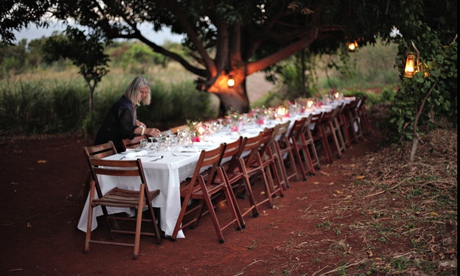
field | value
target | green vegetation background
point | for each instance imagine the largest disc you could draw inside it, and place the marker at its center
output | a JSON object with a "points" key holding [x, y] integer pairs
{"points": [[39, 98]]}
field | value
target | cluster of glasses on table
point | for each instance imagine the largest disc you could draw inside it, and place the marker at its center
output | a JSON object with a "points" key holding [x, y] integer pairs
{"points": [[166, 142], [234, 122]]}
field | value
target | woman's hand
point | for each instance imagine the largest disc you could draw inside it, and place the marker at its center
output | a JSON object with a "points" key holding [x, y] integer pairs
{"points": [[155, 132]]}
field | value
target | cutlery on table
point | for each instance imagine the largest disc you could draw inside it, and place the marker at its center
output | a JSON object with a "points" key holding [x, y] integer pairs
{"points": [[156, 159], [180, 154]]}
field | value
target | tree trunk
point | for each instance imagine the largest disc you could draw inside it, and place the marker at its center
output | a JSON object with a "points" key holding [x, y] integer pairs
{"points": [[416, 138], [233, 99]]}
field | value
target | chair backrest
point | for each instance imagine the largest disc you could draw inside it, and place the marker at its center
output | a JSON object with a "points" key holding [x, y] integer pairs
{"points": [[100, 151], [296, 129], [316, 121], [307, 123], [133, 143], [281, 132], [353, 104], [251, 147], [265, 141], [122, 168], [327, 117], [118, 167], [206, 168], [232, 150]]}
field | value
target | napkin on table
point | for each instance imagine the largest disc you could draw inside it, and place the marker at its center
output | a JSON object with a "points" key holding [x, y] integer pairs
{"points": [[134, 154], [188, 149]]}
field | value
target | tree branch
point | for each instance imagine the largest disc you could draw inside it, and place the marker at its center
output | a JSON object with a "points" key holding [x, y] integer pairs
{"points": [[283, 53]]}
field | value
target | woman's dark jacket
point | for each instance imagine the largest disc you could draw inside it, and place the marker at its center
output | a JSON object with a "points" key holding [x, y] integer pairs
{"points": [[118, 124]]}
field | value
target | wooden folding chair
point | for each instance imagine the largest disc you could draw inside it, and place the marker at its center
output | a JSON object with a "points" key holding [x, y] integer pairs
{"points": [[329, 131], [253, 166], [297, 147], [364, 118], [99, 152], [133, 143], [334, 123], [279, 133], [283, 149], [121, 197], [235, 177], [320, 138], [268, 163], [197, 194], [344, 124], [354, 122], [310, 143]]}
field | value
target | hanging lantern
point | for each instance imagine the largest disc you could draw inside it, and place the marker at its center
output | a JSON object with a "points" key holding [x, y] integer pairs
{"points": [[409, 69], [352, 46], [230, 81]]}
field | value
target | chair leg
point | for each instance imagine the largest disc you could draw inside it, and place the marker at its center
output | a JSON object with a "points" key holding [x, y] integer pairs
{"points": [[234, 202], [296, 151], [234, 209], [338, 132], [312, 149], [266, 183], [137, 236], [90, 217], [280, 164], [344, 128], [274, 179], [250, 193], [214, 219], [325, 144]]}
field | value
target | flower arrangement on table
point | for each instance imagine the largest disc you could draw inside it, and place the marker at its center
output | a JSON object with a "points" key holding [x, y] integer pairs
{"points": [[283, 110], [259, 115], [196, 129], [305, 103], [235, 119]]}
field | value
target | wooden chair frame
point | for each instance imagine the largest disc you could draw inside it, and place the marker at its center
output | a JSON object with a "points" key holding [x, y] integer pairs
{"points": [[268, 163], [279, 133], [283, 149], [133, 143], [320, 137], [310, 143], [120, 197], [197, 194], [298, 148]]}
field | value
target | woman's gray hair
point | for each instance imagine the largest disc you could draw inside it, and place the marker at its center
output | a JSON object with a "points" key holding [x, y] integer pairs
{"points": [[134, 89]]}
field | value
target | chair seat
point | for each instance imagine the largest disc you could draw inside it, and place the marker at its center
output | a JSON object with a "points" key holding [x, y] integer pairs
{"points": [[121, 197], [117, 197]]}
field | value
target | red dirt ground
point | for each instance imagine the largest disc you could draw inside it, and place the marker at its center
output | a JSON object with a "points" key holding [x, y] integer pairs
{"points": [[43, 189]]}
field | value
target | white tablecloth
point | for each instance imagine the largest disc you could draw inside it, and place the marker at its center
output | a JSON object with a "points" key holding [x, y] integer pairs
{"points": [[164, 174]]}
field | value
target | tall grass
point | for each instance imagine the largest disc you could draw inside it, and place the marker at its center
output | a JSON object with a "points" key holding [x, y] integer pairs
{"points": [[372, 66], [50, 106], [41, 108]]}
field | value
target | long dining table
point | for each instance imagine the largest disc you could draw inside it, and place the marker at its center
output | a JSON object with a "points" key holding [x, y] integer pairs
{"points": [[165, 169]]}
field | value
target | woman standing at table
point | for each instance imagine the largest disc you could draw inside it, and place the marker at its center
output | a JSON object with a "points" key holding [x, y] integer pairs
{"points": [[121, 122]]}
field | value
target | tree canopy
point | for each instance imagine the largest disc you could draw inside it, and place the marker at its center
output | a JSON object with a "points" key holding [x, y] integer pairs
{"points": [[228, 38]]}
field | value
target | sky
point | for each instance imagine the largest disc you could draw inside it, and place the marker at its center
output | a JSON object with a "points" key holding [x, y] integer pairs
{"points": [[35, 33]]}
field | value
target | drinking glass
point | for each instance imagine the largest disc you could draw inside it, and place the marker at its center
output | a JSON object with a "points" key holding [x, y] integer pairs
{"points": [[143, 143]]}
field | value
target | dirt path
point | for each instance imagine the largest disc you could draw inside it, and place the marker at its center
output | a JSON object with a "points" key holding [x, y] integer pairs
{"points": [[43, 187]]}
